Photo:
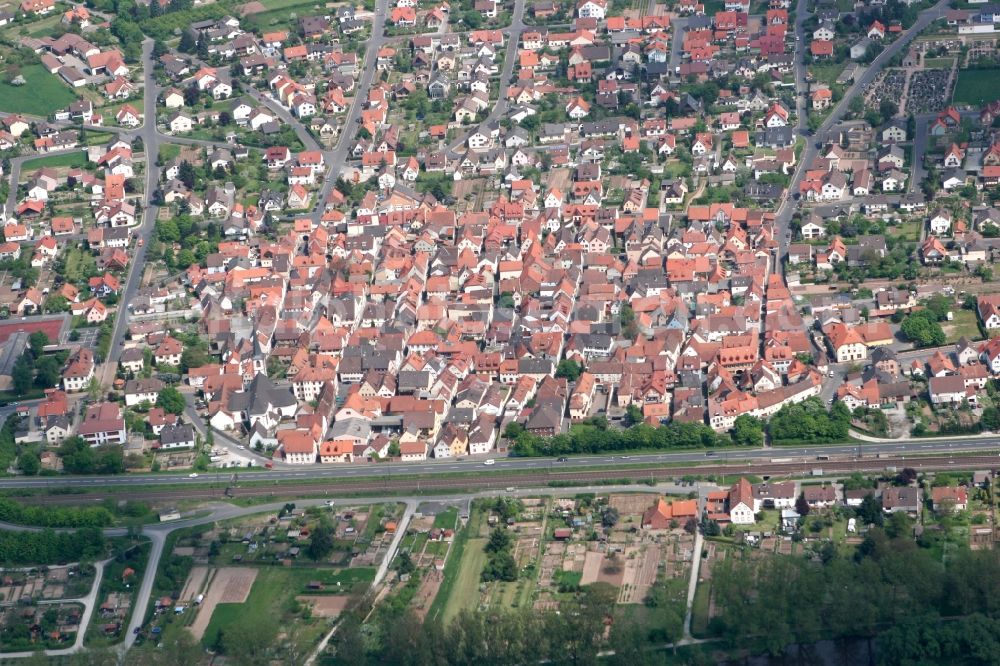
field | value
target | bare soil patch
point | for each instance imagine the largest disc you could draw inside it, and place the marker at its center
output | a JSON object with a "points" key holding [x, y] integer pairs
{"points": [[194, 583], [325, 605], [592, 568], [229, 585]]}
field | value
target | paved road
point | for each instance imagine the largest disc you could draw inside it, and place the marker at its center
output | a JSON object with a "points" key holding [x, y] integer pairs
{"points": [[692, 584], [809, 153], [305, 137], [338, 156], [151, 140], [499, 109], [580, 464], [676, 42], [15, 174]]}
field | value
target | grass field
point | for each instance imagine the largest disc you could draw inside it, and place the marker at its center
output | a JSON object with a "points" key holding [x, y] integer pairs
{"points": [[269, 602], [465, 592], [446, 519], [826, 73], [47, 93], [964, 324], [74, 159], [461, 572], [940, 63], [977, 86], [281, 13], [169, 151], [699, 612], [908, 231]]}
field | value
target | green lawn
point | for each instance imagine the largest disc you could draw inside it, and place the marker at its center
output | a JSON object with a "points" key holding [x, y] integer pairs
{"points": [[699, 612], [465, 592], [446, 519], [281, 13], [42, 95], [908, 231], [965, 323], [466, 553], [977, 86], [826, 73], [169, 151], [941, 63], [350, 577], [76, 159], [269, 602]]}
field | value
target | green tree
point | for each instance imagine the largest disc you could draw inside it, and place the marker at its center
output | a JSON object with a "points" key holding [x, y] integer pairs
{"points": [[171, 400], [37, 342], [569, 369], [923, 329], [56, 303], [627, 317], [29, 463], [47, 372], [609, 517], [320, 541], [990, 419], [748, 431], [499, 541], [801, 505], [23, 374]]}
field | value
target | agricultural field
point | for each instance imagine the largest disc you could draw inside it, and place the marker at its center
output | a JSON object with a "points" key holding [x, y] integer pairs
{"points": [[47, 93], [299, 569], [558, 546], [65, 582], [116, 596], [33, 627], [975, 87]]}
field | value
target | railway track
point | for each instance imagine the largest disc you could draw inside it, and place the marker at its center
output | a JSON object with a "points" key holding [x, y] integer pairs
{"points": [[498, 482]]}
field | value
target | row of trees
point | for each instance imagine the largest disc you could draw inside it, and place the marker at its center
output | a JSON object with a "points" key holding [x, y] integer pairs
{"points": [[890, 589], [59, 516], [49, 547], [594, 436]]}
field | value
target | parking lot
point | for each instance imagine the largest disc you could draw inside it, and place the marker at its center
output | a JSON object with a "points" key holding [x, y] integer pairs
{"points": [[87, 337]]}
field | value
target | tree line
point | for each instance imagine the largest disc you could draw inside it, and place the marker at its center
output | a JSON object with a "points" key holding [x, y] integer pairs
{"points": [[890, 589], [594, 436], [54, 516], [50, 547], [575, 635]]}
